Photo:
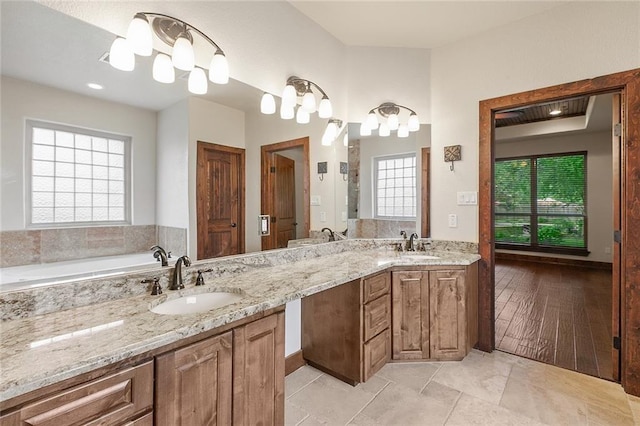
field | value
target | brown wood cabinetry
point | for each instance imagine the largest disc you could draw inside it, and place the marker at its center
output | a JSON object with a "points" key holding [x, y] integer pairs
{"points": [[116, 399], [345, 330]]}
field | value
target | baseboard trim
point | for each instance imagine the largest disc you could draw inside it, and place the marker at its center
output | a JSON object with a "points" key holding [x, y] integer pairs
{"points": [[554, 261], [293, 362]]}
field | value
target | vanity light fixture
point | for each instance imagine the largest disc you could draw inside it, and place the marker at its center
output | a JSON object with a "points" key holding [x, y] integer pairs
{"points": [[267, 103], [331, 132], [390, 113], [177, 34], [295, 88]]}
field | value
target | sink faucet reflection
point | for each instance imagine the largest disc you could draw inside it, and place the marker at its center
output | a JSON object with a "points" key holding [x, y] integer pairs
{"points": [[332, 236], [176, 282], [410, 244], [161, 255]]}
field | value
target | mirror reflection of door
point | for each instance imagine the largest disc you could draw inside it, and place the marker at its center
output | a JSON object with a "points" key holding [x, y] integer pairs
{"points": [[220, 200], [285, 201]]}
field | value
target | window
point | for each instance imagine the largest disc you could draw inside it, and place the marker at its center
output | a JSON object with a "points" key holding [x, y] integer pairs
{"points": [[395, 186], [540, 203], [77, 176]]}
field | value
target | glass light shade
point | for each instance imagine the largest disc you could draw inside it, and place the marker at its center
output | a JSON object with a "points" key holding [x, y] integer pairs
{"points": [[219, 69], [309, 102], [414, 123], [392, 122], [198, 81], [384, 130], [365, 130], [139, 35], [330, 134], [403, 131], [372, 120], [182, 56], [345, 139], [121, 56], [289, 95], [302, 116], [163, 70], [268, 104], [286, 112], [324, 109]]}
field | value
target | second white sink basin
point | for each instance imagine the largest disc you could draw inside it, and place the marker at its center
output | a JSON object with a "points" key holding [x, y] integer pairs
{"points": [[196, 303]]}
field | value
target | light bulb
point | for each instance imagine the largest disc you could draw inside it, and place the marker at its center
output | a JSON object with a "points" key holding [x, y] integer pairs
{"points": [[219, 68], [392, 121], [345, 139], [384, 130], [139, 35], [286, 112], [121, 56], [309, 102], [403, 131], [302, 116], [372, 120], [163, 70], [330, 133], [414, 122], [183, 57], [197, 81], [268, 104], [289, 95], [325, 110], [365, 130]]}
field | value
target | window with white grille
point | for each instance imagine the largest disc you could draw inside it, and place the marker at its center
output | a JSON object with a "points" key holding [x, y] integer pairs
{"points": [[77, 176], [395, 186]]}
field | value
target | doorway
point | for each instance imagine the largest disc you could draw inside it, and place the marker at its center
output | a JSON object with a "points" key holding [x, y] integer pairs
{"points": [[626, 251], [285, 191], [220, 200]]}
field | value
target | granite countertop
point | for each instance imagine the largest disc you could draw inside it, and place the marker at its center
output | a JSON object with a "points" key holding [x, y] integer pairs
{"points": [[45, 349]]}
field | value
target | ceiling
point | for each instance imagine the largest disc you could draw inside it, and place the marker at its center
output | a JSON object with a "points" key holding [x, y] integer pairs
{"points": [[541, 112], [417, 23]]}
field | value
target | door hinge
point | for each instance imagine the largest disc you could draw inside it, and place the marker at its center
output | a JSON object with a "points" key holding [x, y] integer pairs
{"points": [[617, 130], [617, 237], [272, 169], [616, 343]]}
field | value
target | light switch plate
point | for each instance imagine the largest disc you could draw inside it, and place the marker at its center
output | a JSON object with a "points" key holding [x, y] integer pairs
{"points": [[315, 200], [467, 198]]}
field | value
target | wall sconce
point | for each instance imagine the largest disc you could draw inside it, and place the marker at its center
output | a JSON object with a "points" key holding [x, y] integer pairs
{"points": [[331, 132], [390, 112], [452, 153], [322, 169], [344, 170], [177, 34], [295, 88]]}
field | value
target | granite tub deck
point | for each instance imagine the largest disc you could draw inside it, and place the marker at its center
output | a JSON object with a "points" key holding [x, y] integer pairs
{"points": [[40, 350]]}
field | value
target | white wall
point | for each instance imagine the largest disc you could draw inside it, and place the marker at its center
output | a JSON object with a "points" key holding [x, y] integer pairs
{"points": [[599, 182], [573, 42], [22, 99]]}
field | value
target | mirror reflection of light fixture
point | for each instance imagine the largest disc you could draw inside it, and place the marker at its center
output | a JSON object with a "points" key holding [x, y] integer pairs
{"points": [[268, 104], [177, 34], [390, 114], [331, 132], [297, 87]]}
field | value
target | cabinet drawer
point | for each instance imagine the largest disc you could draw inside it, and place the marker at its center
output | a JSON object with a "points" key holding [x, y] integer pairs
{"points": [[106, 401], [146, 420], [377, 316], [377, 352], [376, 286]]}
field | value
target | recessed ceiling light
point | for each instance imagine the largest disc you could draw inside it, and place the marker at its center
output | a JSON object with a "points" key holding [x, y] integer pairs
{"points": [[555, 112], [95, 86]]}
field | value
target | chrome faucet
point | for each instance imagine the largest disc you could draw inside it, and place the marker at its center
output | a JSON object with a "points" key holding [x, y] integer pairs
{"points": [[176, 282], [332, 236], [410, 245], [161, 255]]}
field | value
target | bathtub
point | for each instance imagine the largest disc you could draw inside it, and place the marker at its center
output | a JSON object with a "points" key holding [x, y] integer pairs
{"points": [[28, 276]]}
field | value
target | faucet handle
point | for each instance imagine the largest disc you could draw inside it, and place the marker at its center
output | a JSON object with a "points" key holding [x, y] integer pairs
{"points": [[200, 278], [168, 255], [156, 288]]}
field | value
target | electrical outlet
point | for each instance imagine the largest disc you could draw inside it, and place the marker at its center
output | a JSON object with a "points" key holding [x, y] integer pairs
{"points": [[323, 216], [607, 250], [344, 216], [453, 221]]}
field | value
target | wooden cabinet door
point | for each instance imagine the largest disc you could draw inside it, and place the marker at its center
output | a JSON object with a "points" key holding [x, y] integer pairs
{"points": [[194, 384], [447, 315], [258, 378], [376, 353], [410, 315]]}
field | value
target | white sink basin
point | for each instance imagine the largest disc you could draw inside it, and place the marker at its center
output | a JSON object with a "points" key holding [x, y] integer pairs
{"points": [[196, 303]]}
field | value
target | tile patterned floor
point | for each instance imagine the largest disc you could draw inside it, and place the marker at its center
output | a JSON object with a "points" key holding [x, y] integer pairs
{"points": [[483, 389]]}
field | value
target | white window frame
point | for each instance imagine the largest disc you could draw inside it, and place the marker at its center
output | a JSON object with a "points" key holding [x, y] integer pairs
{"points": [[376, 161], [30, 124]]}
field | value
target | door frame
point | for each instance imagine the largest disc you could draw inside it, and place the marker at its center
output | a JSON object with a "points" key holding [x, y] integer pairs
{"points": [[200, 219], [628, 84], [267, 184]]}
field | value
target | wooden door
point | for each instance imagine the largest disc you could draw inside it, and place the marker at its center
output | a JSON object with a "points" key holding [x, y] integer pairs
{"points": [[410, 315], [617, 226], [284, 201], [194, 384], [447, 315], [258, 378], [220, 200]]}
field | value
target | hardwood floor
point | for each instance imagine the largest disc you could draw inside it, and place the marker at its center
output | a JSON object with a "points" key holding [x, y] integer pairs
{"points": [[556, 314]]}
